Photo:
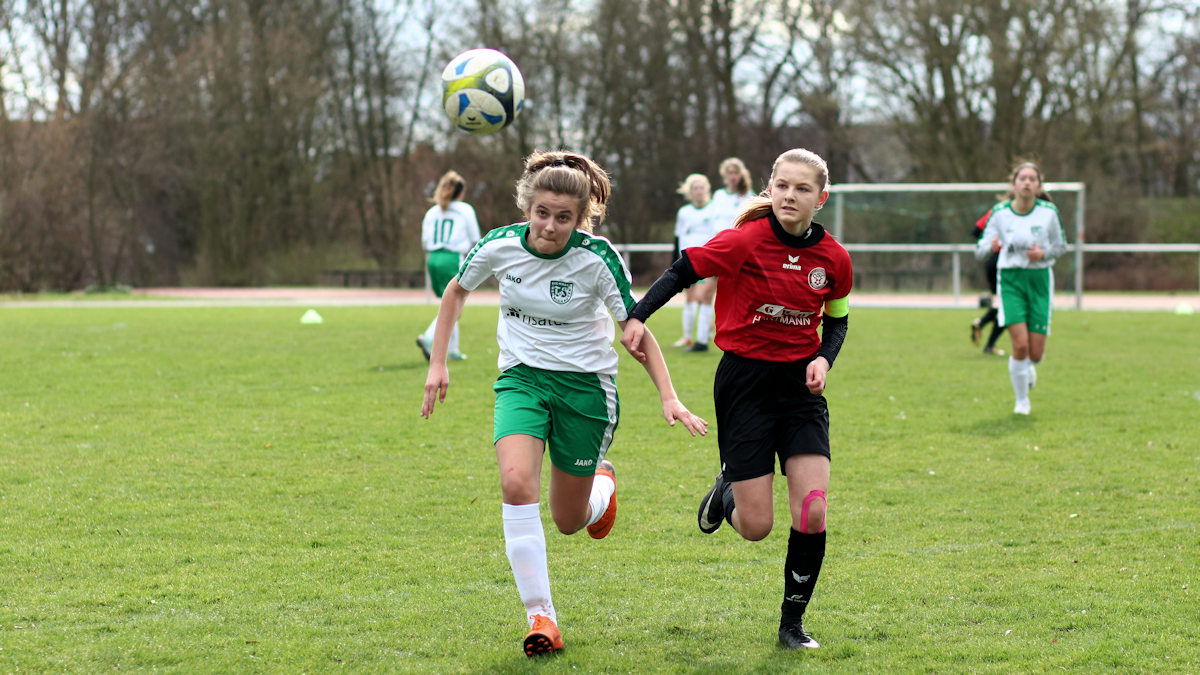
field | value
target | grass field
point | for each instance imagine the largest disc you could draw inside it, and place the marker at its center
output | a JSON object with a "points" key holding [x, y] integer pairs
{"points": [[227, 490]]}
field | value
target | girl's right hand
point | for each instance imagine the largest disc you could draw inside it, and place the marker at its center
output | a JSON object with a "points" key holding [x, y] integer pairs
{"points": [[631, 338]]}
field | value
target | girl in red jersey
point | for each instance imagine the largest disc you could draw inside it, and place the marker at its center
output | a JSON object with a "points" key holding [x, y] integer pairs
{"points": [[779, 275]]}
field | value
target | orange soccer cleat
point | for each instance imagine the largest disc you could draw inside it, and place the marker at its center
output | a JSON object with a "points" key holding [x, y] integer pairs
{"points": [[543, 638]]}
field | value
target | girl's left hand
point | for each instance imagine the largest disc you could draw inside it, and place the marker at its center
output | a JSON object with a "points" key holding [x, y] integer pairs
{"points": [[815, 375]]}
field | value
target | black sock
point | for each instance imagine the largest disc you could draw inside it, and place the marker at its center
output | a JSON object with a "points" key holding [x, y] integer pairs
{"points": [[805, 554]]}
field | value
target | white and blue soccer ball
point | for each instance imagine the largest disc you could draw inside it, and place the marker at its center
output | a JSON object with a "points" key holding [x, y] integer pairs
{"points": [[482, 91]]}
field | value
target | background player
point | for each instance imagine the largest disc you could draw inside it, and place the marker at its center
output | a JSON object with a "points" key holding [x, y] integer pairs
{"points": [[695, 224], [729, 200], [1028, 235], [448, 231], [991, 302]]}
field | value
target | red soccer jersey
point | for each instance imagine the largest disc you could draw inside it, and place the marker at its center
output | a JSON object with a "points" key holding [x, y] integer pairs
{"points": [[771, 287]]}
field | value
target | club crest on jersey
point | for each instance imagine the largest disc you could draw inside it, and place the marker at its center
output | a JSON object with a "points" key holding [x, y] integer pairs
{"points": [[561, 291], [816, 278]]}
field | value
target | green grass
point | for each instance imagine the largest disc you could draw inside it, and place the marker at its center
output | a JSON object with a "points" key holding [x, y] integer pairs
{"points": [[227, 490]]}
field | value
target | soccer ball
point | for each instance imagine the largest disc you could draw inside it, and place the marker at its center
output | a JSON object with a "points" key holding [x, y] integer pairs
{"points": [[482, 91]]}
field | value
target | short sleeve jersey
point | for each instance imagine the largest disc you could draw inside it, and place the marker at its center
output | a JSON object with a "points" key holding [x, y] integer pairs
{"points": [[693, 226], [556, 311], [1019, 232], [453, 228], [772, 287], [727, 205]]}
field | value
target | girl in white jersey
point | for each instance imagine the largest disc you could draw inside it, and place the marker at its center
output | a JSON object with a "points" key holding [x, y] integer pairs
{"points": [[1028, 235], [448, 231], [729, 200], [695, 224], [725, 206], [561, 287]]}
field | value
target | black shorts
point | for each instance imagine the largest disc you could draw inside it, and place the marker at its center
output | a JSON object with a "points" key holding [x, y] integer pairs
{"points": [[765, 410]]}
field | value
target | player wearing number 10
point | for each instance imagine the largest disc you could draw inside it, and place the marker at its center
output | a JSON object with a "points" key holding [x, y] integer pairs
{"points": [[448, 232]]}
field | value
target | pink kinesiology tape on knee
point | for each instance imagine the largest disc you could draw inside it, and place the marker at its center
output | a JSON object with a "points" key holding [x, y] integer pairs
{"points": [[815, 494]]}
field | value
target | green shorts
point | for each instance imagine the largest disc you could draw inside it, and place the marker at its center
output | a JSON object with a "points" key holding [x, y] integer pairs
{"points": [[574, 413], [1026, 296], [443, 265]]}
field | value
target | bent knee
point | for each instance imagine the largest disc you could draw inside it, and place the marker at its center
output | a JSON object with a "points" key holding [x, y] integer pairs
{"points": [[755, 532], [568, 528], [752, 528]]}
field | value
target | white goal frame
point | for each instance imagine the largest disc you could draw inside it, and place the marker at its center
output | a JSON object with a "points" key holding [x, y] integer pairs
{"points": [[994, 188]]}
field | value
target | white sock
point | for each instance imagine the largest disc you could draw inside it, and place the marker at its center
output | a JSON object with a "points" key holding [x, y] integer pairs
{"points": [[525, 544], [453, 339], [428, 334], [1018, 372], [602, 490], [704, 324], [689, 318]]}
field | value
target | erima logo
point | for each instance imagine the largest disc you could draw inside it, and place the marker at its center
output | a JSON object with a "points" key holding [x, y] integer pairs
{"points": [[584, 462], [791, 263]]}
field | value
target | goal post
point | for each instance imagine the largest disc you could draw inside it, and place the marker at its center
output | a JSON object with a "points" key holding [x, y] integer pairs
{"points": [[1078, 188]]}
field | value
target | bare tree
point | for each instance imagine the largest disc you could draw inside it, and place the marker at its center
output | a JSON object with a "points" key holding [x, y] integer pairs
{"points": [[808, 82], [375, 135]]}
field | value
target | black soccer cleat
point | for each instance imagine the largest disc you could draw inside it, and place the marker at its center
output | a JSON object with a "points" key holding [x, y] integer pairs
{"points": [[425, 349], [698, 347], [712, 507], [793, 636]]}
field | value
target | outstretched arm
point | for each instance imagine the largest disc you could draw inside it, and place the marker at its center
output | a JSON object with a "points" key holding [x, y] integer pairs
{"points": [[678, 276], [656, 366], [438, 380]]}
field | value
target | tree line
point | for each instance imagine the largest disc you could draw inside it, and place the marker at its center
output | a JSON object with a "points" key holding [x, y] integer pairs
{"points": [[249, 142]]}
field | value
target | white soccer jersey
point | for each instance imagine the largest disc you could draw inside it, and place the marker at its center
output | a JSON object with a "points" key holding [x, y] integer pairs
{"points": [[1019, 232], [453, 228], [556, 312], [694, 227], [726, 206]]}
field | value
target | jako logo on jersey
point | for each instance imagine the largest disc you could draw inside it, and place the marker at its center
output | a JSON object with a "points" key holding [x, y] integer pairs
{"points": [[515, 280], [561, 291], [791, 263], [584, 462], [816, 278]]}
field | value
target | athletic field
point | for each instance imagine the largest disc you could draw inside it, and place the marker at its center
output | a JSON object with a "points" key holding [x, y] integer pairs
{"points": [[195, 488]]}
